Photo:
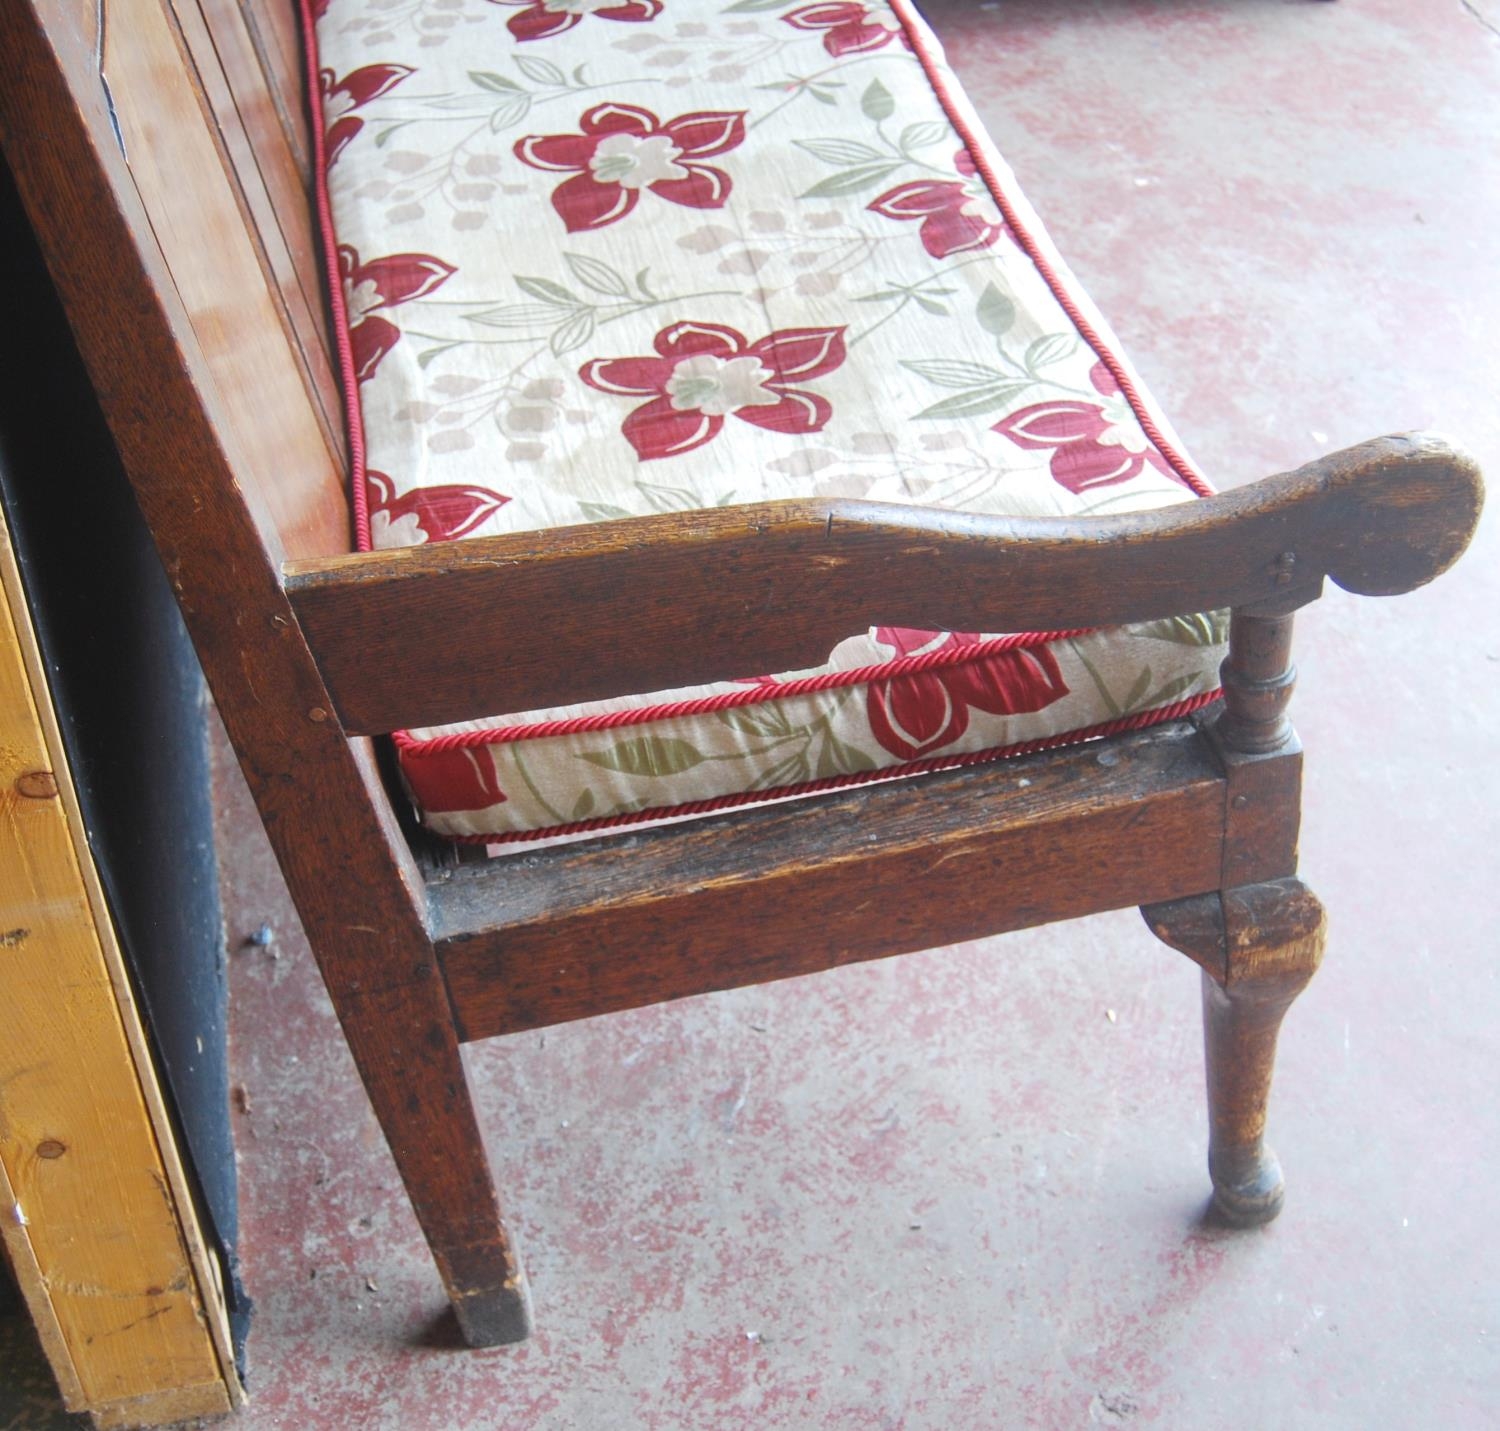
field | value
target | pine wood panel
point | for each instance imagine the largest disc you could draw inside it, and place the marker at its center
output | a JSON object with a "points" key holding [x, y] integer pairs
{"points": [[105, 1240]]}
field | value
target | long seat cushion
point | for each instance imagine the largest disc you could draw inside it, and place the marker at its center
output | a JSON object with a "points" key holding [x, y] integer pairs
{"points": [[600, 258]]}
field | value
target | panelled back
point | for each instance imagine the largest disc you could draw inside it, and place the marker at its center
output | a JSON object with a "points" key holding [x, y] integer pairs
{"points": [[251, 82], [148, 143], [198, 99]]}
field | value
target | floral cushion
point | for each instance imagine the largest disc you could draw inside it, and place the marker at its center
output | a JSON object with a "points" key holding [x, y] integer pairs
{"points": [[602, 258]]}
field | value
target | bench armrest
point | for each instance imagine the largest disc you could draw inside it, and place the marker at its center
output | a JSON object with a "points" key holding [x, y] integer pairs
{"points": [[422, 636]]}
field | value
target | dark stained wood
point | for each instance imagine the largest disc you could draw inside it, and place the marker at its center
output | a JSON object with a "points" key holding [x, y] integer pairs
{"points": [[149, 159], [1258, 678], [1262, 809], [427, 635], [1258, 750], [767, 894], [193, 457], [1258, 946]]}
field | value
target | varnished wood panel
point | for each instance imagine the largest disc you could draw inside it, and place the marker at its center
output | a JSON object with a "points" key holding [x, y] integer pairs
{"points": [[275, 32], [272, 190], [631, 920], [165, 131], [460, 630]]}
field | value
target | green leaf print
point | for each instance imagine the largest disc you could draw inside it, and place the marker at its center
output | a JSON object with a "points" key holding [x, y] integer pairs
{"points": [[976, 401], [1207, 628], [850, 181], [548, 291], [540, 71], [768, 720], [1052, 348], [1132, 702], [603, 511], [839, 151], [1174, 690], [513, 111], [583, 806], [877, 102], [837, 757], [792, 770], [928, 131], [594, 273], [496, 84], [574, 333], [648, 755], [954, 372], [515, 315]]}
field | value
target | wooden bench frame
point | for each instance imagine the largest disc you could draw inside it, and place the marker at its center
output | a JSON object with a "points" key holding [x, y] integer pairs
{"points": [[164, 168]]}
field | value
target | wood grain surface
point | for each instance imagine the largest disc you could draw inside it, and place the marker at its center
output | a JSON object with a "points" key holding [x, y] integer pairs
{"points": [[791, 889], [425, 635], [96, 1211]]}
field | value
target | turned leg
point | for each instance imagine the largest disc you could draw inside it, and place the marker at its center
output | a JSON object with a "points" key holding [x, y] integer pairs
{"points": [[404, 1043], [1258, 946]]}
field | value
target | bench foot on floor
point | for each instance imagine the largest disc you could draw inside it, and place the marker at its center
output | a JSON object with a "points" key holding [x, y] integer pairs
{"points": [[497, 1317], [1258, 946]]}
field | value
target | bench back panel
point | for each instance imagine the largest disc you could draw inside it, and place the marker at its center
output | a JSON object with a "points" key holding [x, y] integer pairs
{"points": [[195, 99], [154, 164], [252, 87]]}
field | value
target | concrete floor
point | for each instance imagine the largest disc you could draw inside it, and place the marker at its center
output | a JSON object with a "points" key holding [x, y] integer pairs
{"points": [[964, 1189]]}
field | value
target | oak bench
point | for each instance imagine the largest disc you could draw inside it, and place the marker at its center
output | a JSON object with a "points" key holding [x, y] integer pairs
{"points": [[672, 342]]}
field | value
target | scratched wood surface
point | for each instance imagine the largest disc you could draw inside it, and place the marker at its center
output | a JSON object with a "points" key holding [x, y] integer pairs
{"points": [[94, 1210]]}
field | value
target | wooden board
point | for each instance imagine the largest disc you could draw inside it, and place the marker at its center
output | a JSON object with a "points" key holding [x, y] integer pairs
{"points": [[94, 1206], [767, 894], [452, 631]]}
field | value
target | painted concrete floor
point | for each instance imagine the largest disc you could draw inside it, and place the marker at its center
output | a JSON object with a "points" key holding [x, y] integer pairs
{"points": [[964, 1189]]}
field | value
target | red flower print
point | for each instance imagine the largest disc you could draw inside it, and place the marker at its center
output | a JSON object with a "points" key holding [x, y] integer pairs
{"points": [[542, 18], [702, 372], [462, 779], [383, 283], [957, 215], [851, 26], [354, 91], [1093, 444], [623, 150], [919, 712], [426, 514]]}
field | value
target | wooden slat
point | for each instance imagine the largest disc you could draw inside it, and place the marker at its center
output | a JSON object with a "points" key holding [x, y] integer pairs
{"points": [[96, 1202], [766, 894], [426, 635], [274, 199], [275, 33]]}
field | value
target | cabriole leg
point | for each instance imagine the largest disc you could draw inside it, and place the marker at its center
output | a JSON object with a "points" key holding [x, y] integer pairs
{"points": [[1258, 946]]}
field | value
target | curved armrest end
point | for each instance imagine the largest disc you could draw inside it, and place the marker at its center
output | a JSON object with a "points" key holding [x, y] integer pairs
{"points": [[1407, 507]]}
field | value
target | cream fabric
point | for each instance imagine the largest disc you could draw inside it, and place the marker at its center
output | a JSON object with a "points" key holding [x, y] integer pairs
{"points": [[606, 259]]}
